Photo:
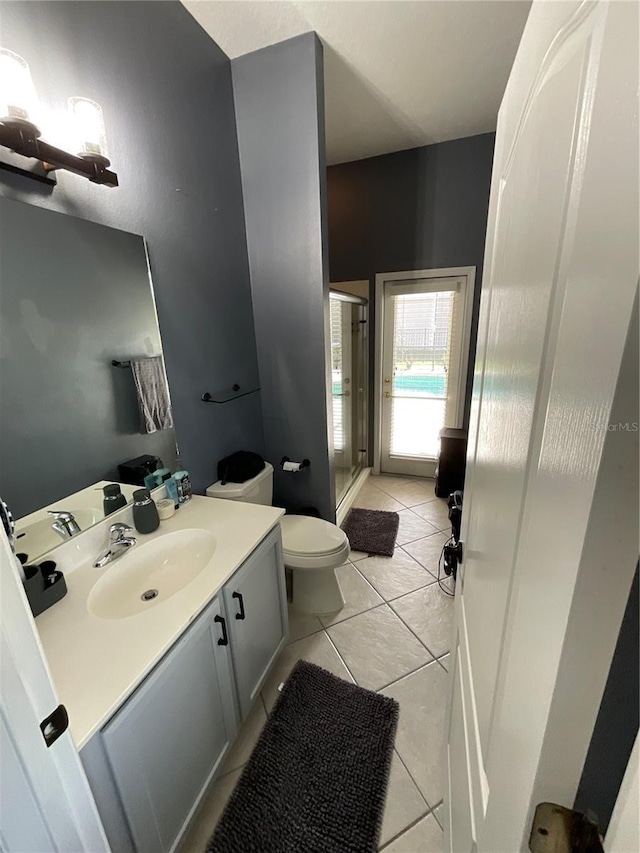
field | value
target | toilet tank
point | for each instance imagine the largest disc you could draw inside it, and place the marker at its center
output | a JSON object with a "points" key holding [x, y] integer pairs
{"points": [[257, 490]]}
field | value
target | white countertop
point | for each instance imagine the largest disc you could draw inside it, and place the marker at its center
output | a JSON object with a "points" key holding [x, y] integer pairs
{"points": [[96, 663]]}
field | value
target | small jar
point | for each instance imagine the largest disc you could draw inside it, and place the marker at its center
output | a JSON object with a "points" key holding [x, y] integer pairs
{"points": [[145, 512], [113, 499]]}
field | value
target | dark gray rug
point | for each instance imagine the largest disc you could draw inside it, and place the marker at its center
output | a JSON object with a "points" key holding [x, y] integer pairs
{"points": [[317, 778], [373, 531]]}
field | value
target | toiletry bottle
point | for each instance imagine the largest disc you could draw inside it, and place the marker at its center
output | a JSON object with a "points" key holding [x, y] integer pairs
{"points": [[150, 481], [113, 499], [184, 486], [145, 512], [172, 491], [161, 474]]}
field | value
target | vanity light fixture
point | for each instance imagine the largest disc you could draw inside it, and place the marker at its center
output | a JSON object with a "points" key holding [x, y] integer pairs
{"points": [[28, 154]]}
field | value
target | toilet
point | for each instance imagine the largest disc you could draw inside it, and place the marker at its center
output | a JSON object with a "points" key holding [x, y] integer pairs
{"points": [[312, 548]]}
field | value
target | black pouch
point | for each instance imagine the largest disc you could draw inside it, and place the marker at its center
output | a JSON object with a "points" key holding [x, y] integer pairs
{"points": [[240, 467]]}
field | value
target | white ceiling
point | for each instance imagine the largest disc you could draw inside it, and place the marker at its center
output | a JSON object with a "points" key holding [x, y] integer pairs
{"points": [[398, 73]]}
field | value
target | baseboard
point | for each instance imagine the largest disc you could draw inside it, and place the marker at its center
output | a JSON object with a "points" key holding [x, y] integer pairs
{"points": [[347, 501]]}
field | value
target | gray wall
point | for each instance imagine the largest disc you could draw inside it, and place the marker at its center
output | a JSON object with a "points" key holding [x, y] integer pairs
{"points": [[165, 88], [419, 209], [280, 116], [74, 295], [617, 723]]}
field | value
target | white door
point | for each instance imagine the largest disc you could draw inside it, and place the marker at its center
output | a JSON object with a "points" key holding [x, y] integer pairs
{"points": [[426, 322], [551, 497], [45, 800]]}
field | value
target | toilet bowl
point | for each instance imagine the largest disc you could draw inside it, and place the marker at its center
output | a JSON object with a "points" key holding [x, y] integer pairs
{"points": [[312, 548]]}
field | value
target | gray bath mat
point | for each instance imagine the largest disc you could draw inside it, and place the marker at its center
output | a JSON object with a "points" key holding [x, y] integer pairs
{"points": [[316, 781], [373, 531]]}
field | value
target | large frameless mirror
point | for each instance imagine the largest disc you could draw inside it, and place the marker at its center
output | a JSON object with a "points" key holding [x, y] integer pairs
{"points": [[75, 297]]}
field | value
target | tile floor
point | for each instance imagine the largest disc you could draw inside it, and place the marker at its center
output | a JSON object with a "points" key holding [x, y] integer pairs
{"points": [[392, 636]]}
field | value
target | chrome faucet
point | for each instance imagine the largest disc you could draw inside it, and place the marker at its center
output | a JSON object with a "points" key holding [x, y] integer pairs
{"points": [[117, 543], [65, 524]]}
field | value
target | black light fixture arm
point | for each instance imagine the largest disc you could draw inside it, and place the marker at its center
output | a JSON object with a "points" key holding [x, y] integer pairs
{"points": [[23, 138]]}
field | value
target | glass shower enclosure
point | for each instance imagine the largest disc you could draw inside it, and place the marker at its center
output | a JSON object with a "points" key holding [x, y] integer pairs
{"points": [[349, 387]]}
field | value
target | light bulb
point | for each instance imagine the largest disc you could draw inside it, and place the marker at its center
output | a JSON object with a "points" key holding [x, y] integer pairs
{"points": [[18, 99], [89, 130]]}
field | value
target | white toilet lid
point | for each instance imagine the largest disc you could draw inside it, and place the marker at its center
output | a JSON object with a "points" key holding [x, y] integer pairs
{"points": [[304, 535]]}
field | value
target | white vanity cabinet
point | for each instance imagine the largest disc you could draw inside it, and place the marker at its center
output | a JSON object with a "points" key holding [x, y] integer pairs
{"points": [[152, 762], [255, 601]]}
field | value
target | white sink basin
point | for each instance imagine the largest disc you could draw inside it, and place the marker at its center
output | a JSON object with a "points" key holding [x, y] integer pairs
{"points": [[39, 537], [151, 573]]}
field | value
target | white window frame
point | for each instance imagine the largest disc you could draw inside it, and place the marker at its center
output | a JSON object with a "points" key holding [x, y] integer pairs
{"points": [[381, 279]]}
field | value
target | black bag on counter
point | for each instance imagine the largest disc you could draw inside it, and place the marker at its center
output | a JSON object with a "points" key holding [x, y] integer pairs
{"points": [[240, 467]]}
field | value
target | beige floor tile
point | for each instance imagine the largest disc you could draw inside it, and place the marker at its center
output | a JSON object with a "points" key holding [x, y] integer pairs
{"points": [[429, 614], [377, 647], [358, 594], [404, 805], [377, 499], [302, 624], [435, 512], [425, 837], [410, 493], [370, 487], [318, 649], [387, 481], [247, 737], [420, 738], [439, 814], [412, 528], [444, 661], [394, 576], [427, 551], [356, 556], [208, 815]]}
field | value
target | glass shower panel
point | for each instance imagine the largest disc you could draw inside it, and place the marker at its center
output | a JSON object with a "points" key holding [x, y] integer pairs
{"points": [[349, 354]]}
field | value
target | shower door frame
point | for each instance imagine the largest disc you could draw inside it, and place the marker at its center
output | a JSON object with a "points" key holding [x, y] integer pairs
{"points": [[363, 396]]}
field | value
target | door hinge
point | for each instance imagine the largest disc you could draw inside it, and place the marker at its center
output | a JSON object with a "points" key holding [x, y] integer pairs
{"points": [[556, 829], [54, 725]]}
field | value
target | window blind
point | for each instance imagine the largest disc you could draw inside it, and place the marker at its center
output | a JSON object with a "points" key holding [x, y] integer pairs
{"points": [[427, 336]]}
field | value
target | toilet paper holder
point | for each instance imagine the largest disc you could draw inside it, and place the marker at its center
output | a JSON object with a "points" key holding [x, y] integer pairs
{"points": [[287, 465]]}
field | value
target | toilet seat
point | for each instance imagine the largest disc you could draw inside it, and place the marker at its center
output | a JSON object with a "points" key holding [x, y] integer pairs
{"points": [[311, 543]]}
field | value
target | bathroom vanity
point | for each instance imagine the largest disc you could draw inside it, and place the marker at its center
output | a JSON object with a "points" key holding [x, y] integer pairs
{"points": [[156, 687]]}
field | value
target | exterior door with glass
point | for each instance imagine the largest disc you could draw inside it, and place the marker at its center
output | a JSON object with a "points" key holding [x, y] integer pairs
{"points": [[425, 351]]}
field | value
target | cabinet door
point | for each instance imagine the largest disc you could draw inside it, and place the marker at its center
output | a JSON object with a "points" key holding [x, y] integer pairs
{"points": [[167, 740], [255, 600]]}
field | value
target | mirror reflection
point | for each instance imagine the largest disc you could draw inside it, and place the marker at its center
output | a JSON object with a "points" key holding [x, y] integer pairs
{"points": [[85, 401]]}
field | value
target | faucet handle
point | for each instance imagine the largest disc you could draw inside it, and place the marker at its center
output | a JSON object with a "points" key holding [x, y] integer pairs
{"points": [[60, 514], [118, 530]]}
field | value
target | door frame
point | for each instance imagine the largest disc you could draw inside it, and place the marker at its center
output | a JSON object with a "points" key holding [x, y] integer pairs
{"points": [[381, 280]]}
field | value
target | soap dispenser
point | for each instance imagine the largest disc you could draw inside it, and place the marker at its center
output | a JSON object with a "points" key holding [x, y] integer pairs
{"points": [[145, 512], [113, 499]]}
